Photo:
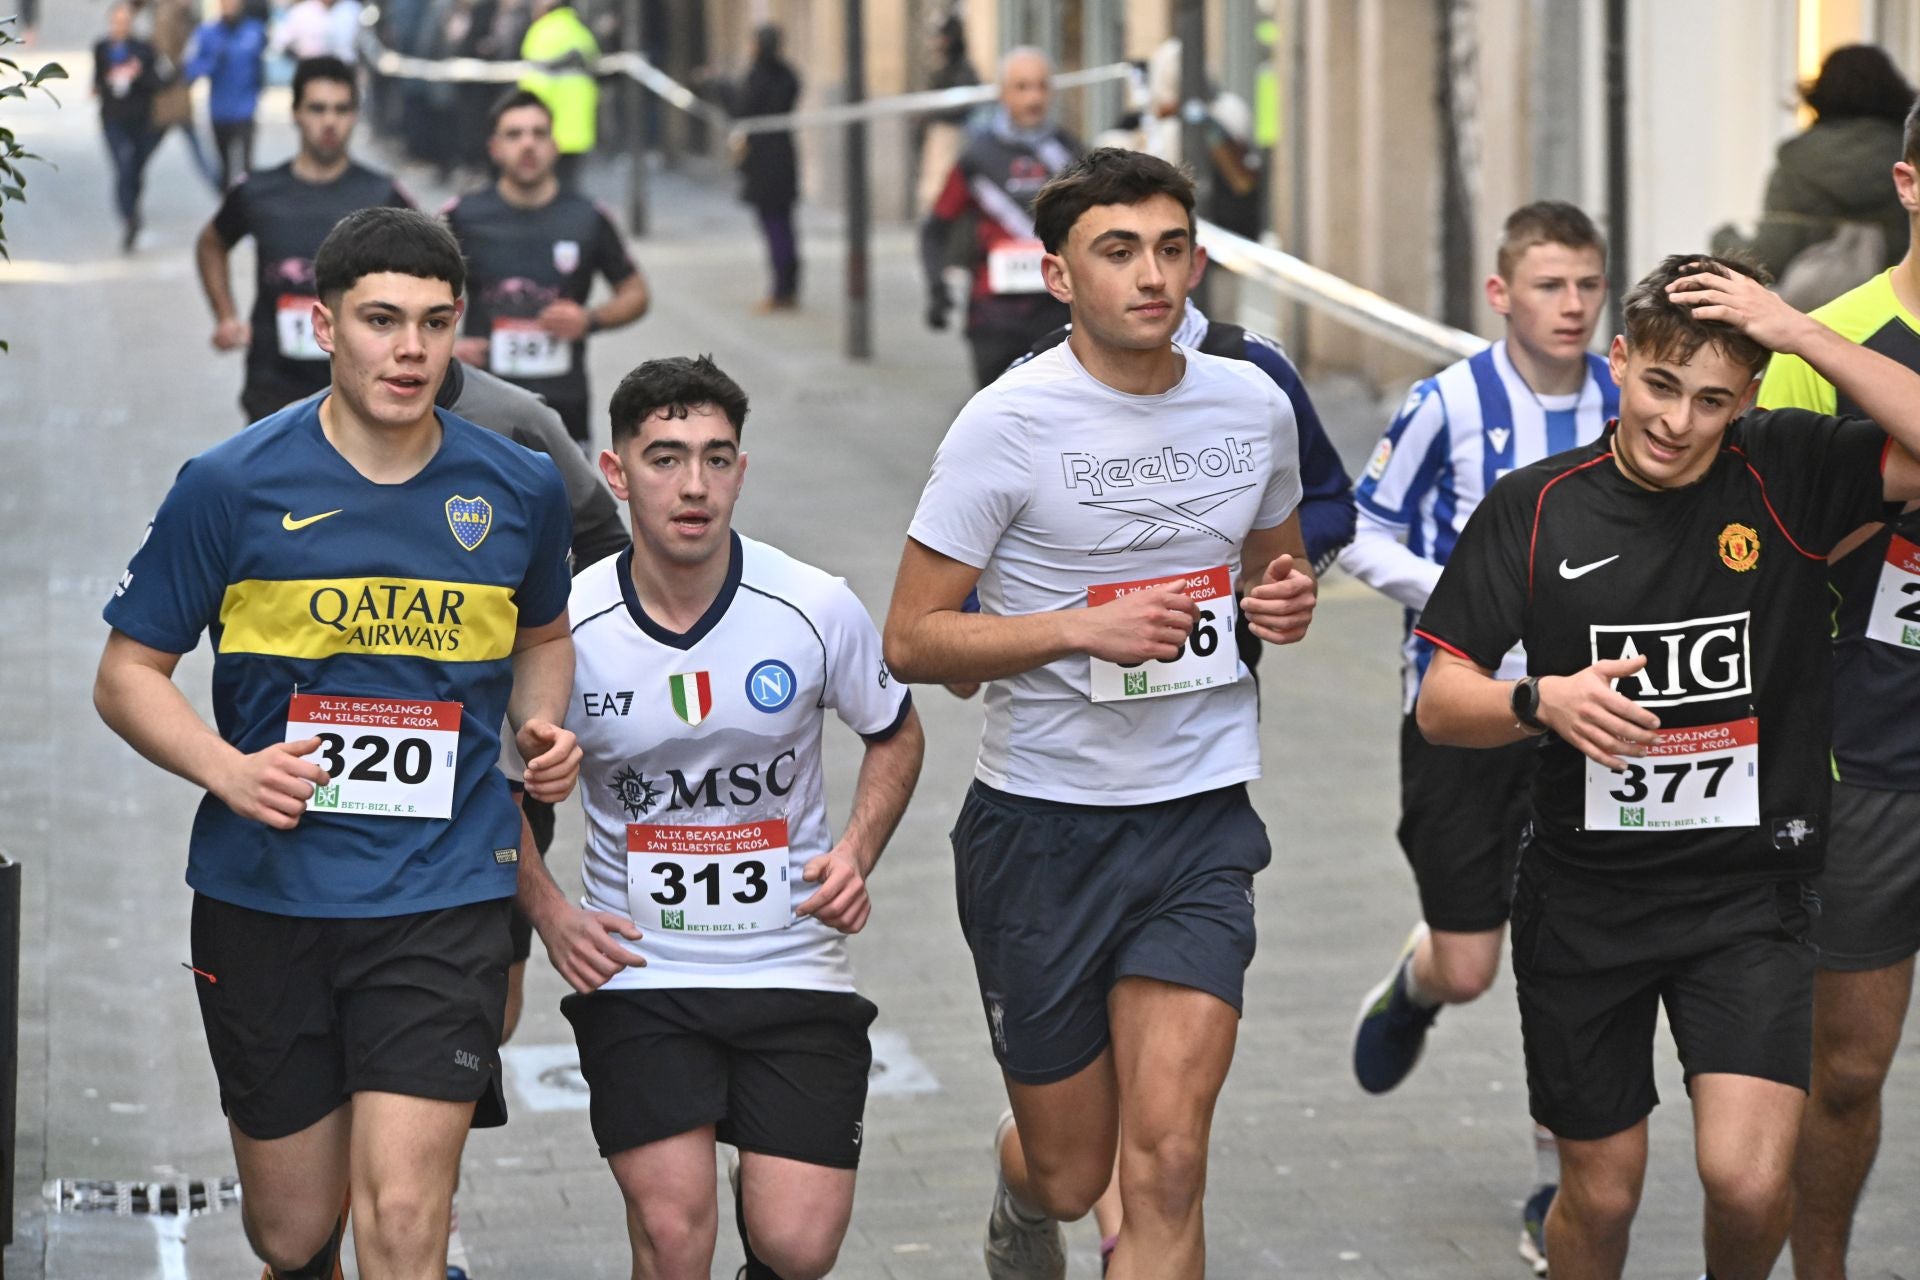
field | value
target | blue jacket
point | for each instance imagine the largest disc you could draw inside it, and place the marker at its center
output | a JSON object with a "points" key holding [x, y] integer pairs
{"points": [[230, 57]]}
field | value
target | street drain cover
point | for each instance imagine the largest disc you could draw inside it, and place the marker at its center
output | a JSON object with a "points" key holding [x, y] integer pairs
{"points": [[190, 1197]]}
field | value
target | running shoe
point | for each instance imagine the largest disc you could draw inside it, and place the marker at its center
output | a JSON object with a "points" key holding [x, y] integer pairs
{"points": [[1392, 1029], [1533, 1229], [1019, 1247]]}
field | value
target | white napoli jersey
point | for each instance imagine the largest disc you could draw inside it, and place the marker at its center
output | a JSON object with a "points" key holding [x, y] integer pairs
{"points": [[691, 739], [1457, 433], [1050, 483]]}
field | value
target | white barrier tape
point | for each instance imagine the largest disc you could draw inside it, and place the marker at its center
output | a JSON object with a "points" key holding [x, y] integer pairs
{"points": [[402, 66], [1362, 308], [916, 103]]}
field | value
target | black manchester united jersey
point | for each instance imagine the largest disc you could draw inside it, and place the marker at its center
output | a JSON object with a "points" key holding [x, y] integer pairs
{"points": [[1721, 586]]}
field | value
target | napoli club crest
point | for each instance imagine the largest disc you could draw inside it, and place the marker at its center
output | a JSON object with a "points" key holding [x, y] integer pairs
{"points": [[470, 519], [566, 256]]}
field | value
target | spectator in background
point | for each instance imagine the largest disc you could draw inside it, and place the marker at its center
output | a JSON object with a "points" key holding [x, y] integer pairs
{"points": [[769, 165], [228, 52], [126, 75], [170, 26], [319, 29], [561, 43], [1839, 171], [943, 133]]}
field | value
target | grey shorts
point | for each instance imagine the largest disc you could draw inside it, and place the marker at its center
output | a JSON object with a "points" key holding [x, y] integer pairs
{"points": [[1870, 890], [1060, 901]]}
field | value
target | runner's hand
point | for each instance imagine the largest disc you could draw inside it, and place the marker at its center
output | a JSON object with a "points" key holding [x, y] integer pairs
{"points": [[232, 335], [1280, 608], [565, 319], [841, 901], [273, 784], [553, 759], [471, 351], [583, 948], [1744, 303], [1141, 625], [1586, 712]]}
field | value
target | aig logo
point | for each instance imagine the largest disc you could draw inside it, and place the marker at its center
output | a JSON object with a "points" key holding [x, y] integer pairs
{"points": [[1698, 660]]}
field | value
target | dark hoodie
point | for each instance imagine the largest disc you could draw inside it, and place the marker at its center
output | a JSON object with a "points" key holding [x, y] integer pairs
{"points": [[1836, 171]]}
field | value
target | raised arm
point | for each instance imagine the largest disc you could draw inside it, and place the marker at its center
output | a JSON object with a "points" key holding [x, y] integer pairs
{"points": [[1886, 390]]}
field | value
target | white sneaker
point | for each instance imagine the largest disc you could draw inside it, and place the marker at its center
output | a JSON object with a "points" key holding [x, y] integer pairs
{"points": [[1019, 1247]]}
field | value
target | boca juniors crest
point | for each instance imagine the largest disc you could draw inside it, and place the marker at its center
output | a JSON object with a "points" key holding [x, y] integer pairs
{"points": [[470, 519]]}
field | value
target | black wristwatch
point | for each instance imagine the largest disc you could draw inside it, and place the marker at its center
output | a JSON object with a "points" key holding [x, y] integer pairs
{"points": [[1526, 704]]}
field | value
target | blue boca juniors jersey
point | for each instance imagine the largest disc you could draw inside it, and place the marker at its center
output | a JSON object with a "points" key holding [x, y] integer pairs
{"points": [[310, 578]]}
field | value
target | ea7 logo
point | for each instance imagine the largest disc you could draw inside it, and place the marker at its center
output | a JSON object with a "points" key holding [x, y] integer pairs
{"points": [[1698, 660], [607, 704]]}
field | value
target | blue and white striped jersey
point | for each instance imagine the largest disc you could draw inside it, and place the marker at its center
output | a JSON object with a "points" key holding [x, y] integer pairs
{"points": [[1457, 433]]}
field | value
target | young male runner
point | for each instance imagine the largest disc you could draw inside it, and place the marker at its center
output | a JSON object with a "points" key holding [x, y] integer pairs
{"points": [[1536, 391], [1868, 928], [705, 664], [289, 210], [376, 578], [534, 250], [1669, 583], [1111, 498]]}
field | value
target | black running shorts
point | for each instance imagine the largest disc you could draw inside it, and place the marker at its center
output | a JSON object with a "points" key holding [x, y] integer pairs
{"points": [[1870, 890], [1060, 901], [1593, 961], [775, 1070], [1462, 811], [303, 1013]]}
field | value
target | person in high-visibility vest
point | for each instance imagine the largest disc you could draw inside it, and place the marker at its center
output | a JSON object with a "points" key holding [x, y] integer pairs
{"points": [[561, 42]]}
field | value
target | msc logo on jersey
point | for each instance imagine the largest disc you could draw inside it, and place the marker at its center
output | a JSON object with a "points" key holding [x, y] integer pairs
{"points": [[634, 792], [692, 695], [1698, 660], [770, 685], [1739, 547], [470, 519]]}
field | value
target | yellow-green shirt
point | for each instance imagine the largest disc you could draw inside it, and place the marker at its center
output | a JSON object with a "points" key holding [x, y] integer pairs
{"points": [[572, 96]]}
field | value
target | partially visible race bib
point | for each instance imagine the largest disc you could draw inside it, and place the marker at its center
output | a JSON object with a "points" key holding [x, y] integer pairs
{"points": [[709, 879], [293, 319], [1896, 602], [522, 349], [1208, 658], [1013, 266], [1704, 776], [384, 757]]}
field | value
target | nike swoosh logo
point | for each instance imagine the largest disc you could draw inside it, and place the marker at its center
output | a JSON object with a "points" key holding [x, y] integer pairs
{"points": [[288, 523], [1570, 573]]}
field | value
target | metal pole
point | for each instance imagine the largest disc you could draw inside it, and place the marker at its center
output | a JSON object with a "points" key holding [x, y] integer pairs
{"points": [[859, 197], [1456, 212], [9, 1031], [1618, 205], [631, 108], [1190, 25]]}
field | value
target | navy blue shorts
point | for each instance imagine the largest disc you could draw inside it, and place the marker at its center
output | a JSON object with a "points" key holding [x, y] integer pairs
{"points": [[1060, 901]]}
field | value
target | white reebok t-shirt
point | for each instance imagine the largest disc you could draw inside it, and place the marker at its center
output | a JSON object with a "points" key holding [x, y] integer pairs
{"points": [[1051, 482], [699, 748]]}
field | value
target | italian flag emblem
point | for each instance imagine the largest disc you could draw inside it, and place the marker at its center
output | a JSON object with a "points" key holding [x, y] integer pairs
{"points": [[692, 696]]}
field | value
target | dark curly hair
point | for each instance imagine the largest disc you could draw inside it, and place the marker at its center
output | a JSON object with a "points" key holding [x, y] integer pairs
{"points": [[675, 383]]}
